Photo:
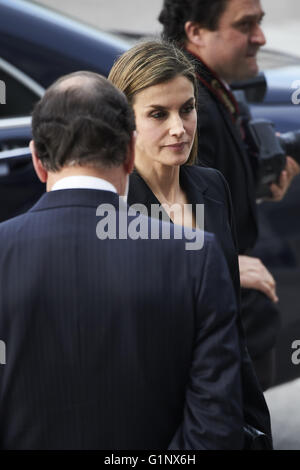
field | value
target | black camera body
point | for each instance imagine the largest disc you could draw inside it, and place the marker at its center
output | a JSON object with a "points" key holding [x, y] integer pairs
{"points": [[269, 149]]}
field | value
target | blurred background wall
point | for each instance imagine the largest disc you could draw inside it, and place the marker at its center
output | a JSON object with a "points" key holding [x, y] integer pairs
{"points": [[281, 25]]}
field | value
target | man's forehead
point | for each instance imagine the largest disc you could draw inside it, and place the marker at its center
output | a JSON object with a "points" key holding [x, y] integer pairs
{"points": [[238, 9]]}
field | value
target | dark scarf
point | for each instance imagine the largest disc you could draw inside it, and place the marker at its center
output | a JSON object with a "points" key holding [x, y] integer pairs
{"points": [[213, 83]]}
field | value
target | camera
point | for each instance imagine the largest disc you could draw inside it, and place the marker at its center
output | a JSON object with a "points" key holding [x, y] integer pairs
{"points": [[271, 151], [267, 148]]}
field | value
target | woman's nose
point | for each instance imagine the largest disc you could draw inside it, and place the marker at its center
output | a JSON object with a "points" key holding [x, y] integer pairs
{"points": [[176, 127]]}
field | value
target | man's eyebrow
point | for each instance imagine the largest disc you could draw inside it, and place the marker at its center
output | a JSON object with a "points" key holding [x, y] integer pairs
{"points": [[250, 18]]}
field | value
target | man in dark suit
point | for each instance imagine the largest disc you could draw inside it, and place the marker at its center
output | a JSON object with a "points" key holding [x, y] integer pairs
{"points": [[222, 38], [111, 343]]}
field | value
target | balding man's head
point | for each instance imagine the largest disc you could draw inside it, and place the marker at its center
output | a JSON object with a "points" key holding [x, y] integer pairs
{"points": [[82, 120], [83, 80]]}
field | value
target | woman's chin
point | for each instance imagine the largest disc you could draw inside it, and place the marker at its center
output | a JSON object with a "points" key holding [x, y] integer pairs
{"points": [[177, 160]]}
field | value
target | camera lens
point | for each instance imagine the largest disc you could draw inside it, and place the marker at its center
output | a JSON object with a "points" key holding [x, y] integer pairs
{"points": [[290, 142]]}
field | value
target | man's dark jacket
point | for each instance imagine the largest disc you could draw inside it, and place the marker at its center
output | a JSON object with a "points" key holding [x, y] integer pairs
{"points": [[220, 146], [113, 343]]}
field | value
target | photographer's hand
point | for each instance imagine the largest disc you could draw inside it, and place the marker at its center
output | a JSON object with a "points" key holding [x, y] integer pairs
{"points": [[287, 175], [254, 275]]}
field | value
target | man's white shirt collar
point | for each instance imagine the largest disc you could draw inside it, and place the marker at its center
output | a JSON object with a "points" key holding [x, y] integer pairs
{"points": [[83, 182]]}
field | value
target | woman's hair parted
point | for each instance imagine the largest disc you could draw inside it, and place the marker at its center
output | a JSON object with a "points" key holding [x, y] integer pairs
{"points": [[150, 63]]}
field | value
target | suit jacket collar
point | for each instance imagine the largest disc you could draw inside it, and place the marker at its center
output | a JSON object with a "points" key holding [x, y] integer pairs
{"points": [[75, 197], [196, 191], [144, 195]]}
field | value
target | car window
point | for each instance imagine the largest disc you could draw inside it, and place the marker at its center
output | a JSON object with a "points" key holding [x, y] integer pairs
{"points": [[18, 92], [14, 133]]}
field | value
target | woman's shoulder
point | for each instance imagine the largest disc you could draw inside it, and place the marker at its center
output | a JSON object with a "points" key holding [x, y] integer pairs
{"points": [[135, 176], [136, 181], [205, 176], [139, 191]]}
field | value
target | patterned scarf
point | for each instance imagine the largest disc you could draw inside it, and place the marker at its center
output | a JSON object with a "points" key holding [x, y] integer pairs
{"points": [[213, 83]]}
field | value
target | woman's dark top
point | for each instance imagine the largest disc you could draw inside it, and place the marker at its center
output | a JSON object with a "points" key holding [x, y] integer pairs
{"points": [[207, 186], [201, 186]]}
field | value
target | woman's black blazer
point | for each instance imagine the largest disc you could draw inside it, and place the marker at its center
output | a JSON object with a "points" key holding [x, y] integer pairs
{"points": [[207, 186], [202, 186]]}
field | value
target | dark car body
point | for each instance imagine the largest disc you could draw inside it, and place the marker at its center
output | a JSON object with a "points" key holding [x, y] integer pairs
{"points": [[37, 46], [279, 241], [45, 45]]}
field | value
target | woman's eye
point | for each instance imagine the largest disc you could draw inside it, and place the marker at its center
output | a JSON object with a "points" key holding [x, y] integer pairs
{"points": [[158, 114], [188, 109]]}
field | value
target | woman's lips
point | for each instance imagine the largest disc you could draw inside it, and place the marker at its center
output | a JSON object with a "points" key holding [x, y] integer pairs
{"points": [[179, 146]]}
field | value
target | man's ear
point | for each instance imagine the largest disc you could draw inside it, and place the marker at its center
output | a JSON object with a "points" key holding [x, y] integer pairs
{"points": [[39, 169], [195, 33], [129, 162]]}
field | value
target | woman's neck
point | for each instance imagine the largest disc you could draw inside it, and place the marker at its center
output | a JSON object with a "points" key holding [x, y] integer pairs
{"points": [[163, 181]]}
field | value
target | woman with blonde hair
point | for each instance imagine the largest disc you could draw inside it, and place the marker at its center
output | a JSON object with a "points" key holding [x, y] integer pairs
{"points": [[160, 83]]}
